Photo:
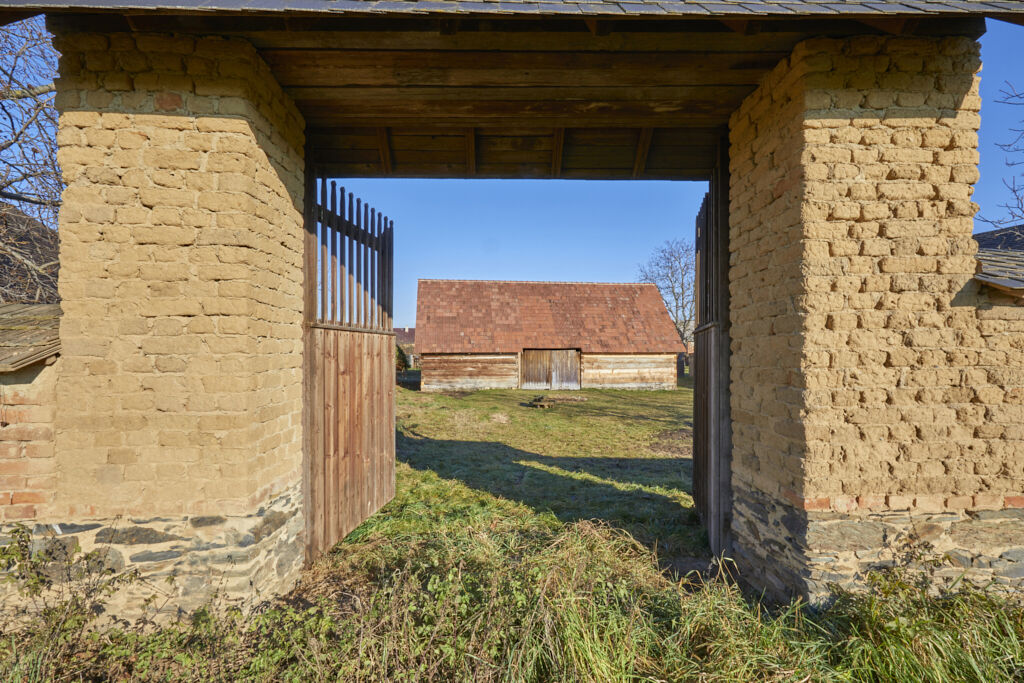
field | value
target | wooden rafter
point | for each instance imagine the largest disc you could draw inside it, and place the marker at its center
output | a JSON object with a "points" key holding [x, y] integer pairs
{"points": [[471, 151], [556, 152], [744, 27], [384, 143], [891, 25], [643, 146], [598, 28]]}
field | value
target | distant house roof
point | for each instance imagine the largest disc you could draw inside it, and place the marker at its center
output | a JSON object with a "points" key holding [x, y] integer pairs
{"points": [[1003, 238], [29, 259], [698, 8], [28, 334], [405, 335], [487, 316]]}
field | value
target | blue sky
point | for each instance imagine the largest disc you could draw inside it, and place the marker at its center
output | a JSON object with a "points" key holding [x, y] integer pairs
{"points": [[601, 231]]}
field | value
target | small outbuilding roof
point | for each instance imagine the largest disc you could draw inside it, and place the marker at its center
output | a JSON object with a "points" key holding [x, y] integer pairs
{"points": [[29, 333], [488, 316], [1002, 269]]}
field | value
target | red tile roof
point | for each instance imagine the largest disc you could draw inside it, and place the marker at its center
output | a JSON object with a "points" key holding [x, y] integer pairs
{"points": [[487, 316]]}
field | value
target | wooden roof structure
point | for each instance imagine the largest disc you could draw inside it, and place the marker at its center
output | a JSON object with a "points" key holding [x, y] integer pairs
{"points": [[492, 316], [1002, 269], [610, 89], [29, 333]]}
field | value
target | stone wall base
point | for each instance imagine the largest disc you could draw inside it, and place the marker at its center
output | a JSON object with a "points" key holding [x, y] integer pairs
{"points": [[985, 547], [186, 563], [789, 551]]}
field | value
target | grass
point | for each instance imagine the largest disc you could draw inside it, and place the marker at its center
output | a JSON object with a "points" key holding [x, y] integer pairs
{"points": [[541, 545]]}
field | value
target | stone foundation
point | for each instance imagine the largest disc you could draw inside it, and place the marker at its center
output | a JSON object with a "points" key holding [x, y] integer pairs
{"points": [[189, 562], [815, 549]]}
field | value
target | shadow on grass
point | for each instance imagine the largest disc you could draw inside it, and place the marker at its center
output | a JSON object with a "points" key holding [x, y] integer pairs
{"points": [[615, 490]]}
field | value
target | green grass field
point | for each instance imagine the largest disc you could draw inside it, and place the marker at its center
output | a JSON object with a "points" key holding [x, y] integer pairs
{"points": [[530, 544]]}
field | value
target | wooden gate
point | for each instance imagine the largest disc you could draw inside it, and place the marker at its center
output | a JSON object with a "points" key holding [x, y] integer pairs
{"points": [[550, 369], [349, 382], [712, 438]]}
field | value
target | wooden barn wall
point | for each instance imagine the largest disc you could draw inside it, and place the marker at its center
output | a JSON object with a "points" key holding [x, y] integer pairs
{"points": [[352, 458], [469, 371], [629, 371]]}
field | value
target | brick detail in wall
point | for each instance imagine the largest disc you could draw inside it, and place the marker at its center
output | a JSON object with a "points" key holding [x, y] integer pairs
{"points": [[27, 466], [181, 270]]}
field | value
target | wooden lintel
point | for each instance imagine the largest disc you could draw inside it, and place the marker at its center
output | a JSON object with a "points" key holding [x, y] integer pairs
{"points": [[556, 152], [744, 27], [892, 25], [384, 143], [643, 146], [471, 151]]}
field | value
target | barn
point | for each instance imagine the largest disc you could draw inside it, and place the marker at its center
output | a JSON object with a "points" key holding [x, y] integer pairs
{"points": [[487, 334]]}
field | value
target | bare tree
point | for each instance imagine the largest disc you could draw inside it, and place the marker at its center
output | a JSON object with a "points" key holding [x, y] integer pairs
{"points": [[1013, 209], [29, 175], [673, 268], [30, 182]]}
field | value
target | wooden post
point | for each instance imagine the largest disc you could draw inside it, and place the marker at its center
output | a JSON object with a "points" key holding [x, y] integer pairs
{"points": [[308, 354]]}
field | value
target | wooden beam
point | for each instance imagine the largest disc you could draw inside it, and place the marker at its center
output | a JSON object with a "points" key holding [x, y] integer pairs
{"points": [[520, 69], [471, 151], [643, 146], [384, 145], [448, 27], [556, 152]]}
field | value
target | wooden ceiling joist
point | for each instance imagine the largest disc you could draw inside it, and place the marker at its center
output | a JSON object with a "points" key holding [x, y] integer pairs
{"points": [[384, 146], [557, 147], [471, 152], [643, 147]]}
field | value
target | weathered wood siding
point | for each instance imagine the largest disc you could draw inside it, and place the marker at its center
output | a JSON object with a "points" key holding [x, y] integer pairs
{"points": [[352, 460], [469, 371], [629, 371]]}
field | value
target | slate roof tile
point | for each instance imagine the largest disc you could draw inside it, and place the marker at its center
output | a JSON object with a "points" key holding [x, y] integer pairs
{"points": [[486, 316], [733, 8]]}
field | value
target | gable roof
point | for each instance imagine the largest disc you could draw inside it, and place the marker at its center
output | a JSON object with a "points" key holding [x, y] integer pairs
{"points": [[29, 333], [739, 9], [488, 316], [1002, 269]]}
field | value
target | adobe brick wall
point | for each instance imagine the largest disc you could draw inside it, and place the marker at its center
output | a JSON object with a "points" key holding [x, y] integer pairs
{"points": [[27, 465], [900, 401], [181, 268]]}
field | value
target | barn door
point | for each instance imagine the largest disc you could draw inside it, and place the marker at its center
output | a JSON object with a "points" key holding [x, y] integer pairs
{"points": [[349, 364], [535, 370], [712, 442], [565, 369]]}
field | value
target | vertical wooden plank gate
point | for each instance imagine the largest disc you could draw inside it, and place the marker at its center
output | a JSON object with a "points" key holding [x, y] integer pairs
{"points": [[349, 368], [712, 438]]}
